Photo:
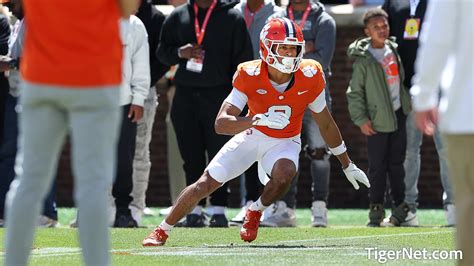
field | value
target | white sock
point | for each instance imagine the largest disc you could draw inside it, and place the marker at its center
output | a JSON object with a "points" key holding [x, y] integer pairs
{"points": [[197, 210], [166, 227], [257, 206]]}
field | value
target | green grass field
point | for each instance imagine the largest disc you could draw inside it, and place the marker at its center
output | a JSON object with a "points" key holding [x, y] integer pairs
{"points": [[344, 242]]}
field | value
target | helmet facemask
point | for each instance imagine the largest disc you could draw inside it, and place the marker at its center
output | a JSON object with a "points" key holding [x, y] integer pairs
{"points": [[285, 64], [281, 31]]}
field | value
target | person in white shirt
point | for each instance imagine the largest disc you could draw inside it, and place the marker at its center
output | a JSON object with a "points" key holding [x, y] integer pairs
{"points": [[133, 92], [445, 58]]}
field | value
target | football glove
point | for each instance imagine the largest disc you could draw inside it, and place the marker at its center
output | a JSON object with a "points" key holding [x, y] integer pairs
{"points": [[354, 174], [274, 120]]}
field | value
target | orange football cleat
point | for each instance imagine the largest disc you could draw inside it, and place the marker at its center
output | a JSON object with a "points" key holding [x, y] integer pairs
{"points": [[156, 238], [249, 229]]}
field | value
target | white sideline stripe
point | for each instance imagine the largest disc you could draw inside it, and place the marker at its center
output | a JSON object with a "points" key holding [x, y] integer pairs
{"points": [[359, 237], [185, 251], [210, 250]]}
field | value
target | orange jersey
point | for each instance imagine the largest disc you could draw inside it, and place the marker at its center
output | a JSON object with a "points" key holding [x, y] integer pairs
{"points": [[72, 43], [252, 79]]}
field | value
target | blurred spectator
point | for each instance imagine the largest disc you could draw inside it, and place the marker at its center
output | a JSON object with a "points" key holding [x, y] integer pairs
{"points": [[356, 3], [319, 30], [400, 14], [378, 104], [4, 36], [208, 39], [7, 175], [63, 90], [256, 13], [8, 144], [153, 21], [445, 55], [133, 91]]}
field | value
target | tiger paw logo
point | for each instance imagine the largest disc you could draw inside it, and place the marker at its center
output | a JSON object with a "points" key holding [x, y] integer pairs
{"points": [[309, 71], [252, 70], [264, 32]]}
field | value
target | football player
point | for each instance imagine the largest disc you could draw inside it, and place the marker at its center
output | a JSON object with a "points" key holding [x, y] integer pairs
{"points": [[277, 88]]}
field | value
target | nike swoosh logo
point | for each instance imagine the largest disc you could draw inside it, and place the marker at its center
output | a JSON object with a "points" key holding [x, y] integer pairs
{"points": [[302, 92]]}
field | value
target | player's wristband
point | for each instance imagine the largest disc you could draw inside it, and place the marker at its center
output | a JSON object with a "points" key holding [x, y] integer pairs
{"points": [[339, 149]]}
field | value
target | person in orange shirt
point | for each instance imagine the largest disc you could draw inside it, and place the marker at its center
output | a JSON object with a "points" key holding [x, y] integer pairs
{"points": [[277, 88], [71, 72]]}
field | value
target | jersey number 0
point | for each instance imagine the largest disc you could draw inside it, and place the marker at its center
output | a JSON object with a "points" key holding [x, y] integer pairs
{"points": [[280, 108]]}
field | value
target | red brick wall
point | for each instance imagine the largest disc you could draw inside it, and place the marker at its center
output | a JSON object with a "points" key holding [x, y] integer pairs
{"points": [[341, 192]]}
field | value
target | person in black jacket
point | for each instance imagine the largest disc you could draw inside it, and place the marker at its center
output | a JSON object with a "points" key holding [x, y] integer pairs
{"points": [[208, 50]]}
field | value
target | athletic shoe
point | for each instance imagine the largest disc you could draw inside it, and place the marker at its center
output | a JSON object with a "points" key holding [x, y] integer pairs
{"points": [[239, 218], [249, 230], [399, 214], [148, 212], [193, 220], [450, 214], [166, 211], [125, 221], [74, 223], [411, 220], [281, 216], [137, 214], [267, 212], [46, 222], [156, 238], [319, 216], [218, 220], [376, 215]]}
